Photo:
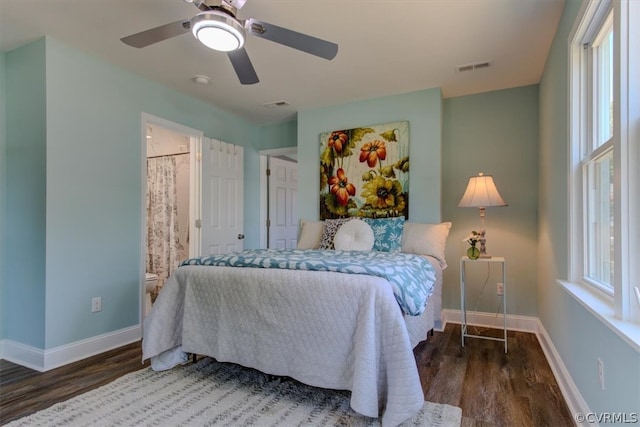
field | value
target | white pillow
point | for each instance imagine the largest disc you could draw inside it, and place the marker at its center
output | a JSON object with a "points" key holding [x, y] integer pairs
{"points": [[354, 235], [426, 239], [310, 234]]}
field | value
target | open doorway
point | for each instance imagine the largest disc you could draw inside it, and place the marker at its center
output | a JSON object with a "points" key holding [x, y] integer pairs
{"points": [[171, 201]]}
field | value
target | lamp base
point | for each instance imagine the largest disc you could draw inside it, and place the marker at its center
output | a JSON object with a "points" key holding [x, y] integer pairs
{"points": [[483, 245]]}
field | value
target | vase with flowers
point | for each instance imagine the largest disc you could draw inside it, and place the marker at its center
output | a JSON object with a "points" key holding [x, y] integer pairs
{"points": [[473, 239]]}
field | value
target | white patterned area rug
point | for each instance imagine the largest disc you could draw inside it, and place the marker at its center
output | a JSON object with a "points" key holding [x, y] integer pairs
{"points": [[210, 393]]}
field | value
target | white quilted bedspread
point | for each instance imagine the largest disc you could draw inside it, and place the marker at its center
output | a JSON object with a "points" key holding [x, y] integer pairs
{"points": [[325, 329]]}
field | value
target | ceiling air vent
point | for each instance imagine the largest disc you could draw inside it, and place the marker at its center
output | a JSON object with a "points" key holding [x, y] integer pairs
{"points": [[275, 104], [474, 66]]}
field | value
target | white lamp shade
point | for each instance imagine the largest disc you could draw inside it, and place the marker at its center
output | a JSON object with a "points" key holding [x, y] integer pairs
{"points": [[481, 192], [217, 31]]}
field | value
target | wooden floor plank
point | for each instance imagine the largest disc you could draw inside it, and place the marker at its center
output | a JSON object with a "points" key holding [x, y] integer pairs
{"points": [[491, 387]]}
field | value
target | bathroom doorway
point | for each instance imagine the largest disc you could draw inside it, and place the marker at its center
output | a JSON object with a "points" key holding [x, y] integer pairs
{"points": [[171, 201]]}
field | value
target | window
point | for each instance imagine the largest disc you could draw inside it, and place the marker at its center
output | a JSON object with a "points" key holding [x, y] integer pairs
{"points": [[605, 153], [599, 221], [597, 159]]}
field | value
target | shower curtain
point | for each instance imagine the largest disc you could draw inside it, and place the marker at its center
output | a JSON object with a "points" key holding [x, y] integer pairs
{"points": [[163, 246]]}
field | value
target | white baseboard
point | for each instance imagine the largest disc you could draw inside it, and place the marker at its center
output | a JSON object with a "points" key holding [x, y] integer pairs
{"points": [[570, 392], [572, 396], [492, 320], [45, 360]]}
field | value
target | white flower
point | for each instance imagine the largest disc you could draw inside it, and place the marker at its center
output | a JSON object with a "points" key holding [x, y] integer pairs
{"points": [[473, 238]]}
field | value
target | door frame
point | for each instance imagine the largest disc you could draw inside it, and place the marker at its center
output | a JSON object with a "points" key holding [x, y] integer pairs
{"points": [[195, 182], [264, 186]]}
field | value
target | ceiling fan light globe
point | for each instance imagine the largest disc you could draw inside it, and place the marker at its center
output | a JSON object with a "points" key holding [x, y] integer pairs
{"points": [[219, 39], [218, 31]]}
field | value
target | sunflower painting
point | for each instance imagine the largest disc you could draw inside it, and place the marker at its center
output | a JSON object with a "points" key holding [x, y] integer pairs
{"points": [[364, 172]]}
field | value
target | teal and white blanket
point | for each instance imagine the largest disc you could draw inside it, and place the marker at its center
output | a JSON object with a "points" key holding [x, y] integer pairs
{"points": [[411, 276]]}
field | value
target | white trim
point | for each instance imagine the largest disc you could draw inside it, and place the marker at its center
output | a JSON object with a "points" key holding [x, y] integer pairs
{"points": [[491, 320], [195, 195], [629, 135], [575, 133], [279, 151], [570, 392], [23, 355], [263, 200], [45, 360]]}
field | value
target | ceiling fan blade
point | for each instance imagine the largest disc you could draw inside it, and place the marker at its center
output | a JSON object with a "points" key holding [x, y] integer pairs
{"points": [[157, 34], [243, 66], [313, 45]]}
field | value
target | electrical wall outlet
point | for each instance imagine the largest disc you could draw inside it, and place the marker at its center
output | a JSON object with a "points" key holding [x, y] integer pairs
{"points": [[500, 288], [96, 304], [600, 373]]}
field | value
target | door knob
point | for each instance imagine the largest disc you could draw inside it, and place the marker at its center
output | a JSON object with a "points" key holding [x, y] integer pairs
{"points": [[240, 236]]}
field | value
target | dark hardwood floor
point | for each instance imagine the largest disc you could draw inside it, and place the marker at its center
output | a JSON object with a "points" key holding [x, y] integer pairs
{"points": [[491, 387], [24, 391]]}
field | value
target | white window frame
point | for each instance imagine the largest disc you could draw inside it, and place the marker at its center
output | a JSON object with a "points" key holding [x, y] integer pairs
{"points": [[621, 308], [590, 146]]}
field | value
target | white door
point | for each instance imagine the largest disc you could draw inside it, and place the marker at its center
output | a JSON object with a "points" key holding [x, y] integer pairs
{"points": [[222, 197], [283, 195]]}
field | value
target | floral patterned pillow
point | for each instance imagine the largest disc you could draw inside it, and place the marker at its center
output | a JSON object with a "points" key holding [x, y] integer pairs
{"points": [[387, 233], [329, 231]]}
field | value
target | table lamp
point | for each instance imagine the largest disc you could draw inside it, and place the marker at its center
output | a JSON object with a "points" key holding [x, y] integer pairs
{"points": [[481, 193]]}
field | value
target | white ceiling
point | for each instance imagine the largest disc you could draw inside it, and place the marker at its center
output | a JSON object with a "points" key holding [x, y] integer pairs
{"points": [[385, 47]]}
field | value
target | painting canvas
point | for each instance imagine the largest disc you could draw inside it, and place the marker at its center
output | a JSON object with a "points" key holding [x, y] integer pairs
{"points": [[364, 172]]}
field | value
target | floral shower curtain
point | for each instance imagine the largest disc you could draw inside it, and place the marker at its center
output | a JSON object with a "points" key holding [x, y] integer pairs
{"points": [[163, 246]]}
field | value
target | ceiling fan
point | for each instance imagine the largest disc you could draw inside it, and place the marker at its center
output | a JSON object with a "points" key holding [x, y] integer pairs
{"points": [[218, 28]]}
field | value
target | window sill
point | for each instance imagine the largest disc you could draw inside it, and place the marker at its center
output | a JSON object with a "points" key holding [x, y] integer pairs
{"points": [[598, 305]]}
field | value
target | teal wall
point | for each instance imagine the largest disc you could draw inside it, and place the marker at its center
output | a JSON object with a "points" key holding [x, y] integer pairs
{"points": [[578, 336], [495, 133], [473, 130], [71, 215], [26, 169], [423, 110], [74, 206], [279, 135], [3, 186]]}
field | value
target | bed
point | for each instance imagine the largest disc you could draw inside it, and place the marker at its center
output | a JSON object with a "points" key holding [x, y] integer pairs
{"points": [[330, 328]]}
